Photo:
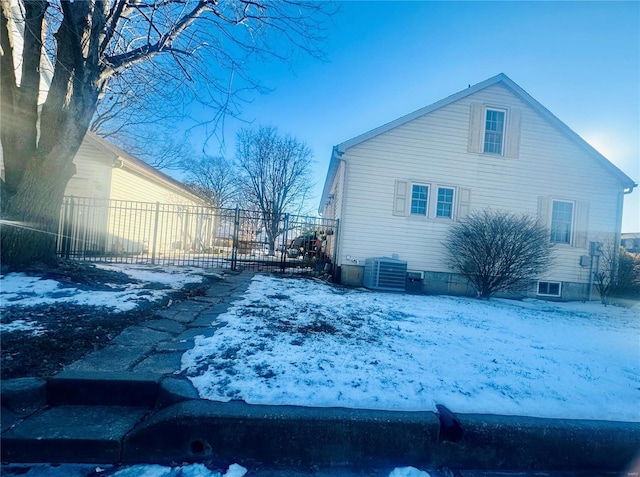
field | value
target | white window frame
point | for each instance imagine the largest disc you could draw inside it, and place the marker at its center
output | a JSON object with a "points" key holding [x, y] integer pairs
{"points": [[549, 283], [503, 138], [571, 223], [428, 201], [436, 193]]}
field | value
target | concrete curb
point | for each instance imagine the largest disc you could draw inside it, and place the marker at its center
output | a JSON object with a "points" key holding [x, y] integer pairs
{"points": [[520, 442], [291, 435], [283, 435]]}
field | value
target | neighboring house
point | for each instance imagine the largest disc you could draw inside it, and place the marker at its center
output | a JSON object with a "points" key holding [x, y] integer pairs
{"points": [[631, 242], [122, 205], [104, 171], [398, 188]]}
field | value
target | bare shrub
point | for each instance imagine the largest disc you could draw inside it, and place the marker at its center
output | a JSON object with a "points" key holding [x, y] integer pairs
{"points": [[498, 251]]}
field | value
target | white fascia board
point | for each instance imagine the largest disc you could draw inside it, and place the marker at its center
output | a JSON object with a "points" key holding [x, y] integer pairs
{"points": [[334, 164], [625, 180]]}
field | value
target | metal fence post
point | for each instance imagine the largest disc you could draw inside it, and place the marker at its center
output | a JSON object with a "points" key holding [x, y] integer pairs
{"points": [[283, 259], [234, 249], [66, 229], [155, 234]]}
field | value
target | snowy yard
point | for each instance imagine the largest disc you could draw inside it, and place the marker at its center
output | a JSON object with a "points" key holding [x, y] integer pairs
{"points": [[301, 342], [298, 341], [146, 285]]}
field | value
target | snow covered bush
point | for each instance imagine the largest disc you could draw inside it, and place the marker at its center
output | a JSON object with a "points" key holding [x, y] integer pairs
{"points": [[498, 251]]}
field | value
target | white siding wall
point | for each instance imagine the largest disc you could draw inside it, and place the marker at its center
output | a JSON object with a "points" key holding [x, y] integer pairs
{"points": [[433, 149], [93, 173]]}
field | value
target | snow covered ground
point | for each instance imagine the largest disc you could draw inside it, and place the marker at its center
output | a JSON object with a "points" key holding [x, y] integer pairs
{"points": [[19, 289], [301, 342], [297, 341]]}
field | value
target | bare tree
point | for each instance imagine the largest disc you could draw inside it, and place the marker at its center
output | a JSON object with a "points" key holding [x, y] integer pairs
{"points": [[498, 251], [196, 48], [215, 179], [139, 113], [275, 175], [616, 272]]}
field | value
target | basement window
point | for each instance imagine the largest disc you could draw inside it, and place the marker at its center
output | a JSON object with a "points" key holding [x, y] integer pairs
{"points": [[549, 289]]}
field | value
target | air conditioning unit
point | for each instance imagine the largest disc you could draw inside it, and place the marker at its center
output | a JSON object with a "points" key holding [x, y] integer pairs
{"points": [[385, 273]]}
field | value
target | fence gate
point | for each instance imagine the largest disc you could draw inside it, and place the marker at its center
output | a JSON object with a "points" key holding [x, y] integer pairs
{"points": [[187, 235]]}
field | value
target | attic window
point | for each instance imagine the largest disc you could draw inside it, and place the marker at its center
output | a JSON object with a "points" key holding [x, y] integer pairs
{"points": [[494, 131]]}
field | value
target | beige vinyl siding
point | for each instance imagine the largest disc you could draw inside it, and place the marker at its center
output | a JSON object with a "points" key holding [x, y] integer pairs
{"points": [[127, 185], [433, 149], [180, 225]]}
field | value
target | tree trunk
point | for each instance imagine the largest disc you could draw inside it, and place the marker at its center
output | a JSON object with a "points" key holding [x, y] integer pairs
{"points": [[32, 214]]}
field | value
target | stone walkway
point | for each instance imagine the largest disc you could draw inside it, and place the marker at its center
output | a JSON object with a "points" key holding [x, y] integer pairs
{"points": [[157, 345]]}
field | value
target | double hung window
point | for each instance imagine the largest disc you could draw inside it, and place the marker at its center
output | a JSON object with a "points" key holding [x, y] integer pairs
{"points": [[561, 221], [419, 199], [494, 131], [444, 206]]}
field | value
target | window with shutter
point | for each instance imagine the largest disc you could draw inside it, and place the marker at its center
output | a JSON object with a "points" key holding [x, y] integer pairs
{"points": [[494, 131], [419, 199], [430, 200], [561, 221]]}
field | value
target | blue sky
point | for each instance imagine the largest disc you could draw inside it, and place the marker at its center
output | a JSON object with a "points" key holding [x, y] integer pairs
{"points": [[581, 60]]}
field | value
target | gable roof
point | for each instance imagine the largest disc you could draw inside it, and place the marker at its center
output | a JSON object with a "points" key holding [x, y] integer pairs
{"points": [[137, 166], [502, 79]]}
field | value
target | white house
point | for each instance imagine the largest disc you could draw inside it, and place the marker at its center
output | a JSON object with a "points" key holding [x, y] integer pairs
{"points": [[398, 188]]}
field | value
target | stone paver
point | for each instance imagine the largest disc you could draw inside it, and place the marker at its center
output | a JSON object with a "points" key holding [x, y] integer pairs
{"points": [[162, 363], [168, 326], [140, 335], [174, 345], [112, 358]]}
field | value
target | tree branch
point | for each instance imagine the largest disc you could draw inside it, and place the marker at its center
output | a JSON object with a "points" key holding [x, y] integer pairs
{"points": [[120, 62]]}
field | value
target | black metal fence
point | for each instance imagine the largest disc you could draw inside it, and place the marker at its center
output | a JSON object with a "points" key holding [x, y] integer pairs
{"points": [[172, 234]]}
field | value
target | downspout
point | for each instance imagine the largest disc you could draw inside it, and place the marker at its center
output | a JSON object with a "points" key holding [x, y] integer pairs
{"points": [[338, 155], [616, 245]]}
